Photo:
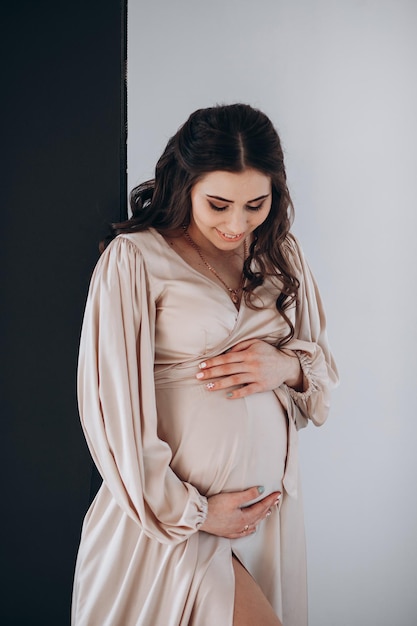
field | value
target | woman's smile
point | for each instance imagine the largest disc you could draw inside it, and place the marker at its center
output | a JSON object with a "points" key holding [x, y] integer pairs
{"points": [[231, 237]]}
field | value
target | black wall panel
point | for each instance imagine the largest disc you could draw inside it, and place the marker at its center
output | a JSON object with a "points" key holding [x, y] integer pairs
{"points": [[64, 162]]}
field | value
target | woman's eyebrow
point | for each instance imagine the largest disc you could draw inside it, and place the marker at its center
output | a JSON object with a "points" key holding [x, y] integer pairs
{"points": [[226, 200]]}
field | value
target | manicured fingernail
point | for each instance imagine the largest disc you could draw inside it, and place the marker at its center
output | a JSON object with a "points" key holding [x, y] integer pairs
{"points": [[261, 489], [202, 365], [278, 499], [210, 386], [229, 394], [268, 513], [199, 375]]}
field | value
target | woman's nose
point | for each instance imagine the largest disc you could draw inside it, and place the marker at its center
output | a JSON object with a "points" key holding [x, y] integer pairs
{"points": [[237, 223]]}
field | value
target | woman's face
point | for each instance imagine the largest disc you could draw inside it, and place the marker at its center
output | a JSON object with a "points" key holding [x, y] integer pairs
{"points": [[228, 206]]}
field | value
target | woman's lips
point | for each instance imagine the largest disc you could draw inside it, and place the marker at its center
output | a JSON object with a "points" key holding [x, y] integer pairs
{"points": [[228, 237]]}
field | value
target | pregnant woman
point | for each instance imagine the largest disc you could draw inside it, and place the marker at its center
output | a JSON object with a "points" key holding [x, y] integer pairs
{"points": [[203, 351]]}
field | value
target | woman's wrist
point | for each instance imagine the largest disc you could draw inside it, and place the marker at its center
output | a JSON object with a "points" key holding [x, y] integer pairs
{"points": [[295, 378]]}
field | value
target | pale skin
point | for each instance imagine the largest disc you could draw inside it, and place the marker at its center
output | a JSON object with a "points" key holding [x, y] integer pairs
{"points": [[226, 208]]}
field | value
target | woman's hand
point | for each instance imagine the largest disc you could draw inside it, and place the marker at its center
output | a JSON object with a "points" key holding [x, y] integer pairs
{"points": [[227, 518], [256, 365]]}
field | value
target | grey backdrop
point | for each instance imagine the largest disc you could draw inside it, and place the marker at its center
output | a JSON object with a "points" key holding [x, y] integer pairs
{"points": [[338, 79]]}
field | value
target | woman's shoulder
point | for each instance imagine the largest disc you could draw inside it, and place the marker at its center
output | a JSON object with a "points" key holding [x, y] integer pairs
{"points": [[146, 248], [140, 243], [129, 250], [142, 240], [128, 255]]}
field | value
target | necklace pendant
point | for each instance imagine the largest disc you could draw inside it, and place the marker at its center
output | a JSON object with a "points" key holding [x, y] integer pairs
{"points": [[234, 293]]}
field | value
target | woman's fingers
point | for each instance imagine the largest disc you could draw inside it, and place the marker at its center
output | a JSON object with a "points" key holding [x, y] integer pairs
{"points": [[232, 515], [244, 354], [251, 367], [244, 391], [254, 513], [238, 373], [243, 383], [245, 497], [259, 510], [253, 516], [225, 369]]}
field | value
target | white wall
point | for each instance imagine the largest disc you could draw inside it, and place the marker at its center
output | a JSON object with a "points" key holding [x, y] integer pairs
{"points": [[338, 79]]}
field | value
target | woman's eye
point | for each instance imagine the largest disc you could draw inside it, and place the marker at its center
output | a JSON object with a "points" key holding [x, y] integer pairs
{"points": [[217, 208], [250, 207]]}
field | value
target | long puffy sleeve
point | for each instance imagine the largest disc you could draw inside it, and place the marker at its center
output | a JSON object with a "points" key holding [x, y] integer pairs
{"points": [[117, 399], [312, 348]]}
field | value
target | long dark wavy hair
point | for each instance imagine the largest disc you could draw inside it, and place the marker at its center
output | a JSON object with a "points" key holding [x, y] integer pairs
{"points": [[229, 138]]}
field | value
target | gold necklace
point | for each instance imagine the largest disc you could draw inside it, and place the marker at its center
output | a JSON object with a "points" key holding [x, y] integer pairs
{"points": [[234, 293]]}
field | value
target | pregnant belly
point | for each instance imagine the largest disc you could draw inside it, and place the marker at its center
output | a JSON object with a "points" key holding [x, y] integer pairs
{"points": [[223, 445]]}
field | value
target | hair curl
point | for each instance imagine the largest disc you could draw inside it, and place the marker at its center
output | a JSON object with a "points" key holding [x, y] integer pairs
{"points": [[223, 138]]}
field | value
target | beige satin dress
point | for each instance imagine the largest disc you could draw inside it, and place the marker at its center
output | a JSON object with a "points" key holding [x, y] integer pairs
{"points": [[163, 443]]}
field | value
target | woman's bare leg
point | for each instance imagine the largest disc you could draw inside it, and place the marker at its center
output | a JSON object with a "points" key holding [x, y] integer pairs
{"points": [[251, 606]]}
